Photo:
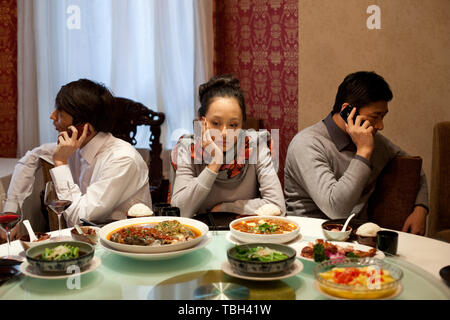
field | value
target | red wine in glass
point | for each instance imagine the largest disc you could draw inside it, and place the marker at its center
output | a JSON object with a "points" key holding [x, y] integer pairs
{"points": [[9, 220]]}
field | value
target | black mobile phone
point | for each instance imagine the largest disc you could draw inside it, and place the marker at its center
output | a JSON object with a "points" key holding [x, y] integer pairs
{"points": [[79, 128], [346, 112]]}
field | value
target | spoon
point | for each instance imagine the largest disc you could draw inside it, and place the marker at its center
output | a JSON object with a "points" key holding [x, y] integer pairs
{"points": [[30, 230], [347, 221], [77, 227]]}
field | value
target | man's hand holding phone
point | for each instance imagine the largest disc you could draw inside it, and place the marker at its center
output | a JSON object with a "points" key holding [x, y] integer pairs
{"points": [[68, 144], [361, 133]]}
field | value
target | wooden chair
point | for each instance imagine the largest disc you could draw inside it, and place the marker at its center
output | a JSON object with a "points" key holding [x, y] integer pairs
{"points": [[395, 193], [440, 183], [133, 114]]}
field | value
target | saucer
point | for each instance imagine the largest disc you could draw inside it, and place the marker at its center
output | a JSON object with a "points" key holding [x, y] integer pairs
{"points": [[295, 268], [28, 270]]}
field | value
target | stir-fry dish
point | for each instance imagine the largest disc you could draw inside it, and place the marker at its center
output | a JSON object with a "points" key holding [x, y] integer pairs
{"points": [[163, 233], [262, 254], [367, 277], [265, 226], [62, 252], [323, 250]]}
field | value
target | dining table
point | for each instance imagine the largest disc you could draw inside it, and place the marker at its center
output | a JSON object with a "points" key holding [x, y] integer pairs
{"points": [[179, 277]]}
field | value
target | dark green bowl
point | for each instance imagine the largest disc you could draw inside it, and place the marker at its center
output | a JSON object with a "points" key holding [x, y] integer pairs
{"points": [[259, 267], [59, 265]]}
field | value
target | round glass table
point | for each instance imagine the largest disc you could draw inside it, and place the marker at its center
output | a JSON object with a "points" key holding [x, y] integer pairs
{"points": [[183, 277]]}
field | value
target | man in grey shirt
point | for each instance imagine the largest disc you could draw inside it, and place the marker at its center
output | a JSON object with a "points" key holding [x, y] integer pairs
{"points": [[332, 166]]}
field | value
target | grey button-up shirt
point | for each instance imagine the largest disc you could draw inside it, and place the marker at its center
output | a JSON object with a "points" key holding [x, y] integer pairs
{"points": [[324, 178]]}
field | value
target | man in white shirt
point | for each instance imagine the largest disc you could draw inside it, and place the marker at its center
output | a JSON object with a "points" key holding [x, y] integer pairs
{"points": [[102, 175]]}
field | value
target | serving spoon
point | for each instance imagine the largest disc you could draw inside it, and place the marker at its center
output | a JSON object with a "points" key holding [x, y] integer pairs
{"points": [[30, 230], [347, 221]]}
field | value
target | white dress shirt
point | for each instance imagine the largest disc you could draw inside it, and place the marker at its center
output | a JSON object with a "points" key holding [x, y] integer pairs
{"points": [[103, 179]]}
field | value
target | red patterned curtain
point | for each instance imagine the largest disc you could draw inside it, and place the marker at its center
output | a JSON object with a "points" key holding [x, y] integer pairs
{"points": [[257, 41], [8, 78]]}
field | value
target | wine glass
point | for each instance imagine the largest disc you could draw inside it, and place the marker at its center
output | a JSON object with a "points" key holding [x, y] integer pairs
{"points": [[57, 205], [10, 216]]}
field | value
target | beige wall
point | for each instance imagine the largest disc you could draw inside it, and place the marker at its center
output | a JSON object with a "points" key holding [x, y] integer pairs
{"points": [[411, 51]]}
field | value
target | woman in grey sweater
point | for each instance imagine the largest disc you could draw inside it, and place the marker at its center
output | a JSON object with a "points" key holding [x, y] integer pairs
{"points": [[222, 168]]}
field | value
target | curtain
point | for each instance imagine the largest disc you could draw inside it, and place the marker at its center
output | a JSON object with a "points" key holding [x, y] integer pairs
{"points": [[152, 51], [27, 107]]}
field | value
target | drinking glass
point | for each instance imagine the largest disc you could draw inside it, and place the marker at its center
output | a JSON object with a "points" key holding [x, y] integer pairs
{"points": [[56, 204], [10, 216]]}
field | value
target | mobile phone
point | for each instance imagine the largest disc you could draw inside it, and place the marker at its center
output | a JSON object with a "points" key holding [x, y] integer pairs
{"points": [[346, 112], [79, 128]]}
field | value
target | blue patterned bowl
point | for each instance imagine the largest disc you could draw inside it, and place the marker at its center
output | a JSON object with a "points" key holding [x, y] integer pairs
{"points": [[33, 257], [258, 267]]}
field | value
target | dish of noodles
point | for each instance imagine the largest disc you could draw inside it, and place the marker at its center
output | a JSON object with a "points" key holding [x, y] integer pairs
{"points": [[264, 229], [153, 234], [353, 278]]}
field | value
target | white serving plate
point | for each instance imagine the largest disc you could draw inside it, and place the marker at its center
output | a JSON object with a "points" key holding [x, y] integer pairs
{"points": [[300, 245], [266, 238], [158, 256], [295, 268], [105, 230]]}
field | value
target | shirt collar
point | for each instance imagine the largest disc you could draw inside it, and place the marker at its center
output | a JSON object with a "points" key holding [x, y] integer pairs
{"points": [[340, 138], [90, 150]]}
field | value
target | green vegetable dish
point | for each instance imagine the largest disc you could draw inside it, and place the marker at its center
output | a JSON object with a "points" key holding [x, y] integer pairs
{"points": [[62, 252], [262, 254]]}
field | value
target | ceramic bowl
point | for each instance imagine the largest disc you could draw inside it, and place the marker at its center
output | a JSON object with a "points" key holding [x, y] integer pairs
{"points": [[258, 267], [327, 227], [249, 237], [374, 288], [33, 256], [90, 234], [27, 244]]}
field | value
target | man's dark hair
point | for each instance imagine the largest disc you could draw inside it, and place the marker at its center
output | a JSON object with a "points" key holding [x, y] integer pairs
{"points": [[87, 101], [360, 89]]}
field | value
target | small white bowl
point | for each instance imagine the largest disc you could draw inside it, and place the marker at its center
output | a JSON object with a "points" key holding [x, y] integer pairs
{"points": [[335, 235], [89, 238], [266, 238], [27, 244]]}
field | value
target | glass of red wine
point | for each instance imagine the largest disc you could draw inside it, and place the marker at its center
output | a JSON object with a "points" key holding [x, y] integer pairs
{"points": [[10, 216], [56, 204]]}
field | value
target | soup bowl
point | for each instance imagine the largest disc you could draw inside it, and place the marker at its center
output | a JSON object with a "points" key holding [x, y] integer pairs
{"points": [[260, 267], [253, 229], [34, 256], [42, 237], [330, 227]]}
